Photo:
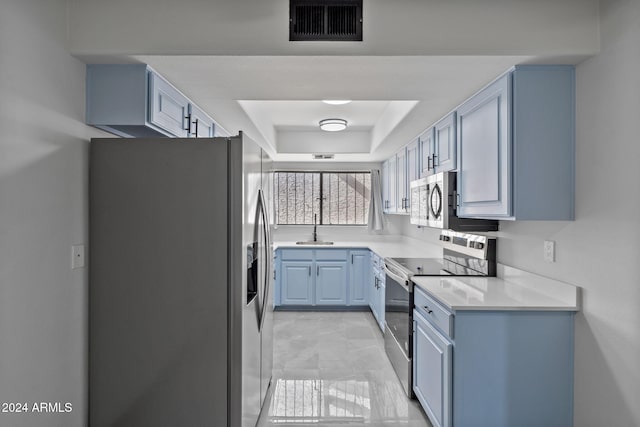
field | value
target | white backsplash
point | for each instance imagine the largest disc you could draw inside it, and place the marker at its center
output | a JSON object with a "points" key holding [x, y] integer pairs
{"points": [[337, 233]]}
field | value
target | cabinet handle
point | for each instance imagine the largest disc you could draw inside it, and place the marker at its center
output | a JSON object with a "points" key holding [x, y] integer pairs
{"points": [[196, 131], [351, 258], [434, 160], [309, 271], [188, 129], [317, 270], [429, 160], [457, 196], [429, 311]]}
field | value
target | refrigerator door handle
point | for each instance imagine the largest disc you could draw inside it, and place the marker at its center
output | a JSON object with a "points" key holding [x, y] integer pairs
{"points": [[267, 246]]}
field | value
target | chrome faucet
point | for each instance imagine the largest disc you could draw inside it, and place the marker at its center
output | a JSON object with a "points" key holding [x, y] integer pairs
{"points": [[315, 228]]}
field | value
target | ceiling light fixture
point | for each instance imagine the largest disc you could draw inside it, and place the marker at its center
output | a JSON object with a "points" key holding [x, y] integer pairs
{"points": [[336, 101], [333, 125]]}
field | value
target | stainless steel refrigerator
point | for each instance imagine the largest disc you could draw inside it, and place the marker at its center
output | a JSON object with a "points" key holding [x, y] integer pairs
{"points": [[180, 282]]}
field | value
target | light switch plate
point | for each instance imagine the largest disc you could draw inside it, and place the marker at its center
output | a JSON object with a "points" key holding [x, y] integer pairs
{"points": [[549, 251], [77, 257]]}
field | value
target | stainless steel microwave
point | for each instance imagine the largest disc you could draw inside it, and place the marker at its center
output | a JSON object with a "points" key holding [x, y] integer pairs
{"points": [[433, 204]]}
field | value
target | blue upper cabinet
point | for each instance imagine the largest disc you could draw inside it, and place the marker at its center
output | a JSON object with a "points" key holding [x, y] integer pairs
{"points": [[516, 146], [413, 161], [132, 100], [384, 177], [359, 277], [331, 282], [413, 169], [392, 185], [168, 108], [484, 178], [200, 124], [402, 196], [427, 150], [444, 157]]}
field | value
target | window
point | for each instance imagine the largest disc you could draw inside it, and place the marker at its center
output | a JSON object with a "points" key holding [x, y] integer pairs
{"points": [[336, 198]]}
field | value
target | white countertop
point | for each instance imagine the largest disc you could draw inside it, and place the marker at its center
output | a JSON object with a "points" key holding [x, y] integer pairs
{"points": [[391, 247], [512, 290]]}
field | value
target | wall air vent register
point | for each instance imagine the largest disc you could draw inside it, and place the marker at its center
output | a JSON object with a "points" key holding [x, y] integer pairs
{"points": [[325, 20]]}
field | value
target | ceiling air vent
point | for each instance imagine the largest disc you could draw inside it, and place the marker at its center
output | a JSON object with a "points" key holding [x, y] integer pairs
{"points": [[325, 20], [323, 156]]}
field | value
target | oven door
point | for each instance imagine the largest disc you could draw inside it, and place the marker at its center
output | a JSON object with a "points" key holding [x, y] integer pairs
{"points": [[398, 340]]}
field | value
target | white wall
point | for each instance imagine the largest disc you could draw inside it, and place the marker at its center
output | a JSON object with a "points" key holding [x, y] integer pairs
{"points": [[600, 250], [400, 27], [43, 211]]}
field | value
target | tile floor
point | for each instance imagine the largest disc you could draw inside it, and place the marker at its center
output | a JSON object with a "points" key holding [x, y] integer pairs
{"points": [[330, 369]]}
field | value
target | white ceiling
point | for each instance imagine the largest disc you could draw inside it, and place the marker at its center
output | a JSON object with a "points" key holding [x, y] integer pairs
{"points": [[305, 115]]}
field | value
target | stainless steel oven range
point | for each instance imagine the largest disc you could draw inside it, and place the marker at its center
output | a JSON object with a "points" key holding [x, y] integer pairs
{"points": [[463, 255]]}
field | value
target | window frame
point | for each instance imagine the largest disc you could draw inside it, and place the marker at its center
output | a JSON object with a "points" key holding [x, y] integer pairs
{"points": [[321, 172]]}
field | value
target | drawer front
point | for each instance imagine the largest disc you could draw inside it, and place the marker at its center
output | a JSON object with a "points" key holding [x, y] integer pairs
{"points": [[297, 254], [376, 260], [331, 255], [433, 311]]}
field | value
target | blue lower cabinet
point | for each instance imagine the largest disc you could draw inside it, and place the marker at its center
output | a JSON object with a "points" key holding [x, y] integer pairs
{"points": [[493, 368], [432, 371], [296, 283], [359, 277], [332, 278], [331, 283]]}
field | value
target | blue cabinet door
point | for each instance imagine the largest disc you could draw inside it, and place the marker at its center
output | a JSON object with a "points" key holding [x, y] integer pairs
{"points": [[201, 125], [484, 150], [413, 170], [427, 150], [432, 371], [392, 186], [331, 283], [359, 277], [296, 283], [444, 158], [381, 304], [413, 161], [168, 108], [384, 177], [373, 297], [401, 182]]}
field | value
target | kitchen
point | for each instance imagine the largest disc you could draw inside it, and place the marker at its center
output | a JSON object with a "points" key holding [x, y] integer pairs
{"points": [[44, 162]]}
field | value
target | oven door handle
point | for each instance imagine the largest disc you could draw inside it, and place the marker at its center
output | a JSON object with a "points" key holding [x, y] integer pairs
{"points": [[402, 282]]}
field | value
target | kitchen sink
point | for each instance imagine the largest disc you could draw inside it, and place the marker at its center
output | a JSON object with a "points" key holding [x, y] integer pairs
{"points": [[314, 243]]}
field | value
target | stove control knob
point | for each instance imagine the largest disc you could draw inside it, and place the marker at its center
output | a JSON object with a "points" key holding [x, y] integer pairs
{"points": [[472, 244], [445, 238], [479, 245]]}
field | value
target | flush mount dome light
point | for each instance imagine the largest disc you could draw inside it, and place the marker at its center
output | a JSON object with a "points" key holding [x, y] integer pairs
{"points": [[336, 101], [333, 125]]}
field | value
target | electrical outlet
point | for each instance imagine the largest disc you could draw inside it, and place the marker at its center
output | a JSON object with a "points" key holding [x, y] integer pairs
{"points": [[77, 256], [549, 251]]}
